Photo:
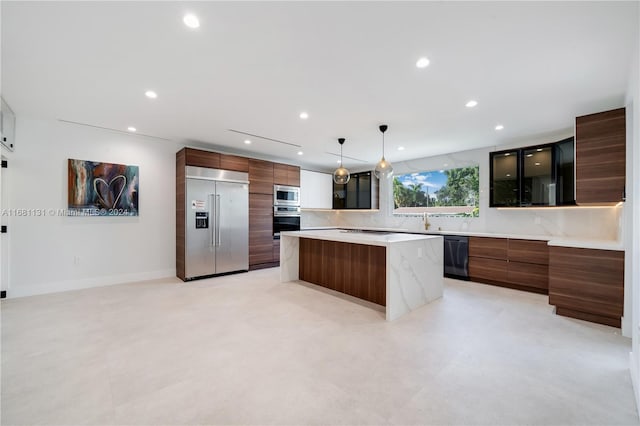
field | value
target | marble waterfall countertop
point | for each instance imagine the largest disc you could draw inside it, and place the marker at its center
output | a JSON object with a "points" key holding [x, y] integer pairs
{"points": [[413, 265], [375, 237]]}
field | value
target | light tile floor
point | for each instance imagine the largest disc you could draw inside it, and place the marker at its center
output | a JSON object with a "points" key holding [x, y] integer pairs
{"points": [[246, 349]]}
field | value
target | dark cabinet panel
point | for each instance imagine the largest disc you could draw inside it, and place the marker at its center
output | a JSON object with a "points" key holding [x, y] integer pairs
{"points": [[233, 162], [260, 229], [538, 178], [195, 157], [355, 269], [483, 269], [505, 186], [587, 284], [601, 157], [494, 248], [361, 192], [261, 177], [530, 251], [528, 275], [284, 174]]}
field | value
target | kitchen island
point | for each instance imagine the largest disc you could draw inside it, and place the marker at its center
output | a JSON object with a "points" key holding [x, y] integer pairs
{"points": [[399, 271]]}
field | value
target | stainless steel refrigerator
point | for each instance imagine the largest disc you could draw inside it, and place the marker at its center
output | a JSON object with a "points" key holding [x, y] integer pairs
{"points": [[217, 222]]}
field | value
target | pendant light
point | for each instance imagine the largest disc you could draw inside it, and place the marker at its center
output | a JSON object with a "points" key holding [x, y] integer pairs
{"points": [[341, 175], [383, 168]]}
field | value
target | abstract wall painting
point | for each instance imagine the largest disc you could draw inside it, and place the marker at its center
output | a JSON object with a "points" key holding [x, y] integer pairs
{"points": [[102, 189]]}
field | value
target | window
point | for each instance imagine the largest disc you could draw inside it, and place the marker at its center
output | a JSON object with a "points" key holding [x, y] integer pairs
{"points": [[453, 192]]}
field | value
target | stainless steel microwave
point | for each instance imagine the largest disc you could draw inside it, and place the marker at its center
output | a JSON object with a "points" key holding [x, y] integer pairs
{"points": [[286, 195]]}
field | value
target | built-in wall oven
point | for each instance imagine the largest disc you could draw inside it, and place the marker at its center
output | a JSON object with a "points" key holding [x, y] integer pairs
{"points": [[286, 209], [285, 218]]}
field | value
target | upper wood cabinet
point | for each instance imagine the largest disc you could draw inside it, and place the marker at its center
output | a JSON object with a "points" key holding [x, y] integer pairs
{"points": [[601, 157], [260, 177], [284, 174], [196, 157], [233, 162]]}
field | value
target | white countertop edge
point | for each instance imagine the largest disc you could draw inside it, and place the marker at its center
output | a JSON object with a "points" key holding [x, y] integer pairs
{"points": [[358, 238], [588, 244], [556, 241]]}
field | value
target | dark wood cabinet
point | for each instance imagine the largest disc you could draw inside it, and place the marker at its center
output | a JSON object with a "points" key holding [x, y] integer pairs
{"points": [[198, 158], [513, 263], [601, 157], [494, 248], [284, 174], [233, 162], [260, 230], [587, 284], [355, 269], [261, 177], [181, 162]]}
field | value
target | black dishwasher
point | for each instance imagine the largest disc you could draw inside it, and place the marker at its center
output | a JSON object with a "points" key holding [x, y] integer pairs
{"points": [[456, 257]]}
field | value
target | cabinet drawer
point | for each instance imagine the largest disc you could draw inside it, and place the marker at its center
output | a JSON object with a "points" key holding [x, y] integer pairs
{"points": [[485, 269], [493, 248], [528, 275], [528, 251]]}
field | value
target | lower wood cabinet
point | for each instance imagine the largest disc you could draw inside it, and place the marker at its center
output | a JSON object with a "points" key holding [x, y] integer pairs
{"points": [[587, 284], [260, 231], [355, 269], [506, 262], [491, 271]]}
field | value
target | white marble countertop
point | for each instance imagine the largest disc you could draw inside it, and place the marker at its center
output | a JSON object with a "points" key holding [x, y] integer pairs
{"points": [[385, 238], [552, 240]]}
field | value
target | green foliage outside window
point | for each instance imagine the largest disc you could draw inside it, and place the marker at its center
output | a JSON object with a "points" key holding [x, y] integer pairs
{"points": [[449, 192]]}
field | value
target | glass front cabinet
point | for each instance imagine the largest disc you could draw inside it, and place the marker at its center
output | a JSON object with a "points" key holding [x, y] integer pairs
{"points": [[540, 175]]}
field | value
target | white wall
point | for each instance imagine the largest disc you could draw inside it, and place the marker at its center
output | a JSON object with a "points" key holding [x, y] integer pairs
{"points": [[108, 250]]}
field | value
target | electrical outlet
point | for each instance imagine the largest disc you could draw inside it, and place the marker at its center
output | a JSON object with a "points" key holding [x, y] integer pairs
{"points": [[76, 260], [419, 252], [536, 220]]}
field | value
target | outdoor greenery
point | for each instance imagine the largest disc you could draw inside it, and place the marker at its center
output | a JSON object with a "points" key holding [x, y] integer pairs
{"points": [[462, 188]]}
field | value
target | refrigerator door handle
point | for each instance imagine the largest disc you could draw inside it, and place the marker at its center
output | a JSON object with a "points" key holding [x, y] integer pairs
{"points": [[218, 220], [211, 236]]}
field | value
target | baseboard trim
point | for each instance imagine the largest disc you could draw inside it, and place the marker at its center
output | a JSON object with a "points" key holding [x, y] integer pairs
{"points": [[70, 285]]}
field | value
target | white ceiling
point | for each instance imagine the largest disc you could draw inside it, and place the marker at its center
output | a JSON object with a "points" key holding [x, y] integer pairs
{"points": [[351, 65]]}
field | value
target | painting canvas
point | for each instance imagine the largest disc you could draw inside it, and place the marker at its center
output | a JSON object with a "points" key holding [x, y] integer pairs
{"points": [[102, 189]]}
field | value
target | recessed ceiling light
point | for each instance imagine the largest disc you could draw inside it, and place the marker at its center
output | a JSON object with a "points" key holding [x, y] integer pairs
{"points": [[471, 104], [132, 129], [499, 127], [151, 94], [191, 20], [338, 161], [247, 141], [401, 148], [507, 154], [445, 165], [422, 63], [537, 164], [539, 149], [300, 152], [529, 155], [304, 115], [508, 174]]}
